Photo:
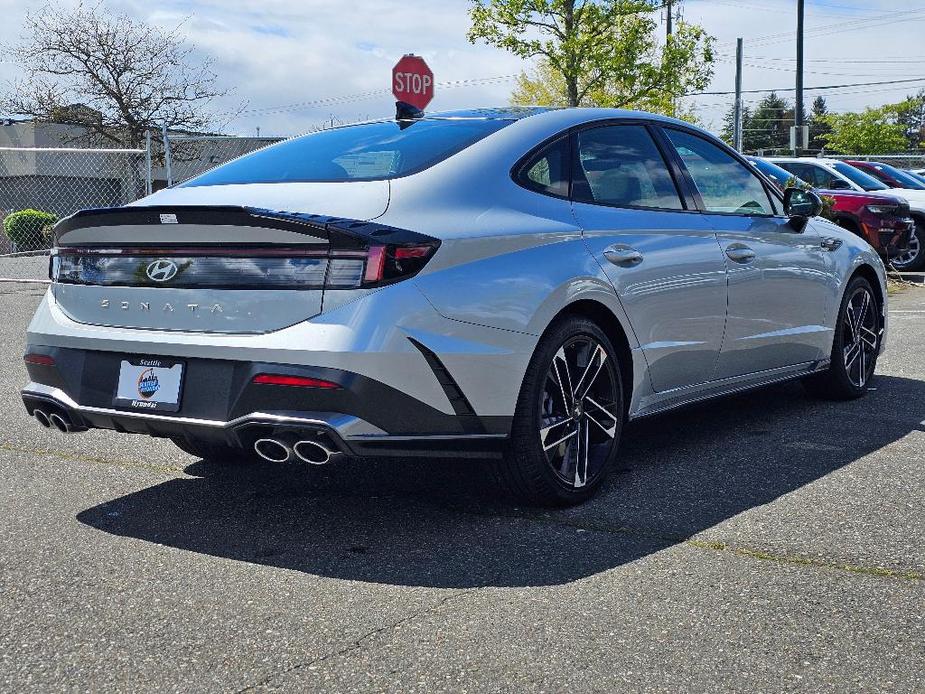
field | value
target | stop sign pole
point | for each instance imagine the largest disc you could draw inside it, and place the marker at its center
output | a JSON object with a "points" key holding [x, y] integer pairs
{"points": [[413, 82]]}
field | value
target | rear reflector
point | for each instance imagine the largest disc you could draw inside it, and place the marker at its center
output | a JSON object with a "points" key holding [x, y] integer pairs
{"points": [[40, 359], [299, 381]]}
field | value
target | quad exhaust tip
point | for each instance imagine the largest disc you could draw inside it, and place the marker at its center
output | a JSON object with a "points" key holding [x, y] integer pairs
{"points": [[276, 451], [312, 452], [42, 418], [59, 423], [272, 450]]}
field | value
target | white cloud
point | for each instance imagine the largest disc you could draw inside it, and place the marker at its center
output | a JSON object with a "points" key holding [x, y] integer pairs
{"points": [[280, 52]]}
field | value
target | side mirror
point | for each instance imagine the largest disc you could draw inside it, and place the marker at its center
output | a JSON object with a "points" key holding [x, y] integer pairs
{"points": [[839, 184], [801, 204]]}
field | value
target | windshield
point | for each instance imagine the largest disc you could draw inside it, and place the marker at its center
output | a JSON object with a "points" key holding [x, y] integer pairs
{"points": [[367, 152], [905, 179], [780, 177], [858, 177]]}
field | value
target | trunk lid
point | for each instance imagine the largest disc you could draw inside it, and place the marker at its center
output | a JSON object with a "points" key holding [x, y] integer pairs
{"points": [[224, 269]]}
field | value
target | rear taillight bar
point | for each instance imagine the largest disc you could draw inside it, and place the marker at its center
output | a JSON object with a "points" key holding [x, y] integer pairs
{"points": [[239, 268]]}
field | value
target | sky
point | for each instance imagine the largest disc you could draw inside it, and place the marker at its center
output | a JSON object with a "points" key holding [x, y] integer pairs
{"points": [[295, 64]]}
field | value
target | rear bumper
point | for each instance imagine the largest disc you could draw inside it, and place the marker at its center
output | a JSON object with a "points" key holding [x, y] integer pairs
{"points": [[221, 404]]}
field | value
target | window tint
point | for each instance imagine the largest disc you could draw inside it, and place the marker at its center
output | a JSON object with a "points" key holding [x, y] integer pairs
{"points": [[620, 165], [903, 178], [367, 152], [817, 176], [780, 176], [725, 185], [866, 181], [547, 171]]}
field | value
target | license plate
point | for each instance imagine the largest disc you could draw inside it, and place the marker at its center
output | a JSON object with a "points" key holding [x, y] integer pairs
{"points": [[149, 384]]}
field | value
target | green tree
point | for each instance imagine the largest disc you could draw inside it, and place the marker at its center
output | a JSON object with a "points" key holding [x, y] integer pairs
{"points": [[769, 127], [600, 53], [818, 127], [728, 131], [911, 115], [873, 131]]}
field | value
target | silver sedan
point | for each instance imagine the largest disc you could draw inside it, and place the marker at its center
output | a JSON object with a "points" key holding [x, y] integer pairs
{"points": [[513, 284]]}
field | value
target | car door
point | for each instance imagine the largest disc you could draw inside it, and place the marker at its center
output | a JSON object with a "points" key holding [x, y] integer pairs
{"points": [[660, 255], [780, 276]]}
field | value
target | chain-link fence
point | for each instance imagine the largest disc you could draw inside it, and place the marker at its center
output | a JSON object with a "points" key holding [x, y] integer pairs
{"points": [[912, 162], [40, 185]]}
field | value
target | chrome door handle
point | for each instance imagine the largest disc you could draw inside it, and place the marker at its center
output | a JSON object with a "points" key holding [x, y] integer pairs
{"points": [[623, 255], [831, 244], [740, 254]]}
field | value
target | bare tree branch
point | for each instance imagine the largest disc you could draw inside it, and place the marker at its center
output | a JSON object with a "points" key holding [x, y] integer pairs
{"points": [[113, 74]]}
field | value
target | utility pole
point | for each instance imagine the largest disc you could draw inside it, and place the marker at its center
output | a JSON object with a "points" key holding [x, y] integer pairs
{"points": [[737, 130], [669, 30], [798, 104]]}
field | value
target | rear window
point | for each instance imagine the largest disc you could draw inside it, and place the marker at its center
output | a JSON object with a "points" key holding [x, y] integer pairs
{"points": [[367, 152]]}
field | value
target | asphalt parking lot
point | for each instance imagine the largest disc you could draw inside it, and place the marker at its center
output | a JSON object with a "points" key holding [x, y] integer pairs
{"points": [[767, 542]]}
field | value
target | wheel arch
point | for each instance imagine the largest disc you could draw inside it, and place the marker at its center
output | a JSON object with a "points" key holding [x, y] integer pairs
{"points": [[608, 321], [870, 274]]}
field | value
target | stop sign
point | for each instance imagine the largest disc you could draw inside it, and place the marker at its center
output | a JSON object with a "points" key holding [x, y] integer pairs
{"points": [[412, 81]]}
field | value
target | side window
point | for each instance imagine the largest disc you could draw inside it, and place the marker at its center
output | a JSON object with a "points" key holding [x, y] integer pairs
{"points": [[548, 170], [816, 175], [620, 165], [725, 185]]}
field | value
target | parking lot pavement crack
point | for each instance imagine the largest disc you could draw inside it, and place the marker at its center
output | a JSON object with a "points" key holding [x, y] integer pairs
{"points": [[50, 454], [716, 546], [362, 641]]}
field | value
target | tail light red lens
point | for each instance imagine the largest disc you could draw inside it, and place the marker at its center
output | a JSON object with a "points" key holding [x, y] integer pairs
{"points": [[390, 263], [297, 381], [39, 359]]}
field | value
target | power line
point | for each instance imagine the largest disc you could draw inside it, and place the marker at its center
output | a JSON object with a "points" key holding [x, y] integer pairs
{"points": [[827, 86]]}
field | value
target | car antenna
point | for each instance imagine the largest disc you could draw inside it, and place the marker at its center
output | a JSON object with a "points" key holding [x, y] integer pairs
{"points": [[405, 112]]}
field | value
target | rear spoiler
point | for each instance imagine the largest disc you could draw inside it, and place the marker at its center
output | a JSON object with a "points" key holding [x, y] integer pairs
{"points": [[339, 232]]}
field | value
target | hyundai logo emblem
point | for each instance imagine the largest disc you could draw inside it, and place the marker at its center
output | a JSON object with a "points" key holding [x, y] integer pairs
{"points": [[162, 270]]}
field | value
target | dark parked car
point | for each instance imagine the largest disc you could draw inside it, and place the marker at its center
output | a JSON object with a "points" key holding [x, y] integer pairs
{"points": [[890, 175], [880, 219]]}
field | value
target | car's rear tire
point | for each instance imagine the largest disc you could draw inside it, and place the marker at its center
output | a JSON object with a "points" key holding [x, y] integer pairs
{"points": [[914, 257], [569, 417], [855, 347], [214, 452]]}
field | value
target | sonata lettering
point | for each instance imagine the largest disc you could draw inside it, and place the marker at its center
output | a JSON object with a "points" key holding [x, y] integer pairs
{"points": [[145, 306]]}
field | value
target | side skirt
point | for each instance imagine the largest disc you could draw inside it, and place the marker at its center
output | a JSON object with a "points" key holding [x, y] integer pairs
{"points": [[682, 397]]}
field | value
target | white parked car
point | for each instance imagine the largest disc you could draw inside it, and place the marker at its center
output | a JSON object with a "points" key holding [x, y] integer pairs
{"points": [[831, 174]]}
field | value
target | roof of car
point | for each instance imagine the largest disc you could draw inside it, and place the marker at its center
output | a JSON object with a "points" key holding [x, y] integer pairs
{"points": [[564, 115], [493, 113]]}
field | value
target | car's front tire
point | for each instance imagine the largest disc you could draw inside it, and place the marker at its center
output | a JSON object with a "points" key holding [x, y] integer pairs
{"points": [[569, 417], [914, 256], [855, 347]]}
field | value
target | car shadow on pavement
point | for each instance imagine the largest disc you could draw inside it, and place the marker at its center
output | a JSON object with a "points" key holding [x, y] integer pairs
{"points": [[436, 523]]}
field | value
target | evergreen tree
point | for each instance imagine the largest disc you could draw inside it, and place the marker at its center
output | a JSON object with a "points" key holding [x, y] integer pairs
{"points": [[769, 127], [911, 116], [728, 131], [818, 127]]}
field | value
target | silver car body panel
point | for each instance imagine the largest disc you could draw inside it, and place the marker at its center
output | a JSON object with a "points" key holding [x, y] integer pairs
{"points": [[509, 262]]}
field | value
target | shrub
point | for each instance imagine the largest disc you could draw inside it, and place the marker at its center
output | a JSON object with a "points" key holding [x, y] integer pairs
{"points": [[28, 230]]}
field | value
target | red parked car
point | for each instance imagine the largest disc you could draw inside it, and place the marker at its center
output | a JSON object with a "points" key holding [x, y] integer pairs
{"points": [[890, 175], [881, 219]]}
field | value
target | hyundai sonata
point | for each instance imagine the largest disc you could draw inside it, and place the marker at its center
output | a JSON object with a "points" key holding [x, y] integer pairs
{"points": [[512, 284]]}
